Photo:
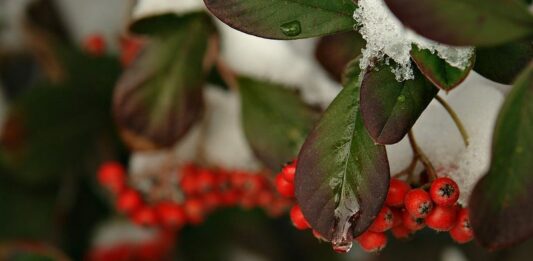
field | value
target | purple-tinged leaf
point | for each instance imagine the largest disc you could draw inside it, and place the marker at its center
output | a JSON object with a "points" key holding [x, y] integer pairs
{"points": [[285, 19], [391, 108], [466, 22], [334, 52], [159, 97], [437, 70], [342, 176], [503, 63], [502, 202]]}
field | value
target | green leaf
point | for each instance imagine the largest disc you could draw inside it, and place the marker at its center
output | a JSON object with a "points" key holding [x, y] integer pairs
{"points": [[502, 201], [437, 70], [285, 19], [76, 110], [334, 52], [503, 63], [391, 108], [275, 120], [342, 176], [158, 24], [160, 97], [466, 22]]}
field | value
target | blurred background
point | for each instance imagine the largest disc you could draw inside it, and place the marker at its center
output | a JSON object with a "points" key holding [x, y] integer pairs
{"points": [[56, 93]]}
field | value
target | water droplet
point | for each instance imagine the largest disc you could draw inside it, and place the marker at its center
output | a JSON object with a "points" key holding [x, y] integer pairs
{"points": [[291, 29], [342, 247], [401, 98]]}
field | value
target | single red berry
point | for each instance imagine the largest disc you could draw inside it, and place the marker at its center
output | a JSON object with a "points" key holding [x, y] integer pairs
{"points": [[128, 201], [289, 171], [130, 48], [372, 241], [195, 211], [418, 203], [462, 231], [284, 187], [112, 176], [396, 217], [95, 45], [442, 218], [253, 184], [239, 179], [444, 192], [383, 221], [212, 200], [298, 219], [144, 216], [396, 194], [189, 184], [230, 197], [412, 223], [401, 232], [205, 181], [265, 198], [171, 214]]}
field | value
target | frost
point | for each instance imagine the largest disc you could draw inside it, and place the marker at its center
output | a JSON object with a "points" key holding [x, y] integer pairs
{"points": [[387, 39]]}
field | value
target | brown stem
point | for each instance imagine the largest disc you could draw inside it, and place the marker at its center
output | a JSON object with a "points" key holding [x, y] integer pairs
{"points": [[455, 119], [421, 156], [228, 75]]}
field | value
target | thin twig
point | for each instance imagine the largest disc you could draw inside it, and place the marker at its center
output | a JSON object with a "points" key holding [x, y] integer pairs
{"points": [[455, 119], [420, 155]]}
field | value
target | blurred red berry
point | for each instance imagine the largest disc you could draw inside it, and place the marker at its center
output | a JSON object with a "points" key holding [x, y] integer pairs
{"points": [[396, 194], [401, 232], [205, 181], [171, 214], [189, 184], [112, 176], [195, 211], [444, 192], [284, 187], [212, 200], [411, 222], [462, 231], [418, 203], [144, 216], [297, 218], [128, 201], [130, 48], [442, 218], [95, 45], [289, 171], [265, 198], [372, 241], [383, 221]]}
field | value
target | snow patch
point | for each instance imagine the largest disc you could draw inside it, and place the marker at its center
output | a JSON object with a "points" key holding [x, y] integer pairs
{"points": [[387, 39]]}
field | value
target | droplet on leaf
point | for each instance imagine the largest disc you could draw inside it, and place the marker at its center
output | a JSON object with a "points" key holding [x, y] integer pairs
{"points": [[292, 28]]}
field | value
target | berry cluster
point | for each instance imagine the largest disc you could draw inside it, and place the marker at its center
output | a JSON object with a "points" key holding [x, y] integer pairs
{"points": [[204, 190], [95, 45], [408, 210]]}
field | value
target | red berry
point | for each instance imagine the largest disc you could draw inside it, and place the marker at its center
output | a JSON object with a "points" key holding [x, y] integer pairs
{"points": [[128, 201], [401, 232], [396, 217], [372, 241], [188, 184], [396, 194], [444, 192], [383, 221], [112, 176], [230, 197], [144, 216], [95, 45], [205, 181], [442, 218], [212, 200], [284, 187], [171, 214], [253, 184], [411, 222], [418, 203], [130, 48], [265, 198], [289, 171], [194, 210], [462, 231], [298, 219]]}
